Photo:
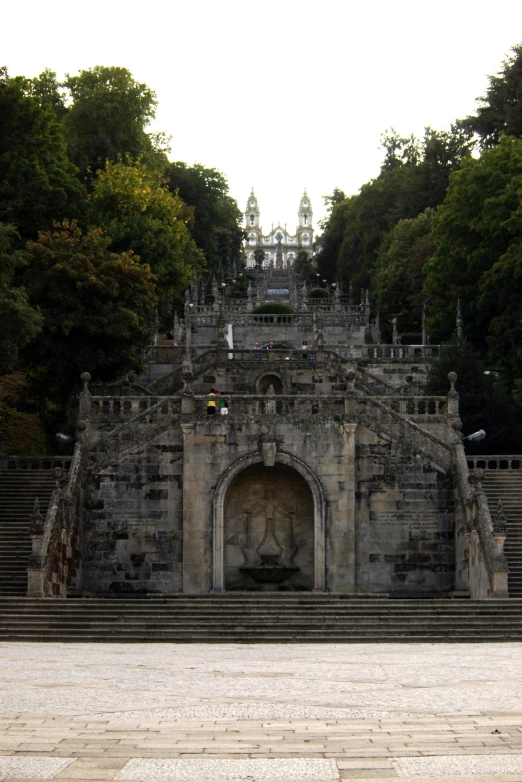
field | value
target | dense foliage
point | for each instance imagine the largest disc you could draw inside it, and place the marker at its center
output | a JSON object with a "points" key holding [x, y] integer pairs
{"points": [[442, 222], [97, 230]]}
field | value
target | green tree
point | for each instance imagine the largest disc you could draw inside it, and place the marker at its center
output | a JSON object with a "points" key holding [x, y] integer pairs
{"points": [[38, 183], [500, 110], [414, 176], [97, 309], [484, 400], [20, 321], [478, 223], [399, 279], [303, 264], [216, 225], [107, 117], [139, 213]]}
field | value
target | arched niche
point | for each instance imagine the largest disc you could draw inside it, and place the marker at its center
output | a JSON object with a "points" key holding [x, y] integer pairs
{"points": [[269, 379], [313, 547]]}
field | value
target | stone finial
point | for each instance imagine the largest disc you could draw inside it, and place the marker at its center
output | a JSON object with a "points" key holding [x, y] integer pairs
{"points": [[85, 396], [460, 321], [187, 373], [59, 476], [350, 381], [222, 325], [36, 520], [85, 377], [175, 328], [499, 518], [452, 377], [476, 477], [81, 428], [396, 337], [187, 298]]}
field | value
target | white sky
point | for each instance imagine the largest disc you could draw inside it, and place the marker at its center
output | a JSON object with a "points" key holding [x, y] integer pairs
{"points": [[278, 95]]}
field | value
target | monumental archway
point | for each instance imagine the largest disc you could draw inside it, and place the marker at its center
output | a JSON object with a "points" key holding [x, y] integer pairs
{"points": [[269, 527]]}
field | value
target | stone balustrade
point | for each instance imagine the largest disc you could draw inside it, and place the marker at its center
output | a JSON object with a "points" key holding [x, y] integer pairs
{"points": [[416, 408], [502, 462], [409, 352], [130, 406], [38, 462]]}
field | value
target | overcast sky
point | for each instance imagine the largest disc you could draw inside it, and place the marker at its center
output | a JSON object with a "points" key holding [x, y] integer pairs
{"points": [[278, 95]]}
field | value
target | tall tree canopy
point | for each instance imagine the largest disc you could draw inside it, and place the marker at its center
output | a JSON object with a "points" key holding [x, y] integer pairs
{"points": [[38, 182], [399, 278], [108, 115], [20, 321], [500, 110], [414, 177], [478, 237], [139, 213], [216, 226], [97, 309]]}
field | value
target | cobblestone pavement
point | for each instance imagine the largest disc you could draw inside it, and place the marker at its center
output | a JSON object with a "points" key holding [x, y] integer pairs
{"points": [[261, 712]]}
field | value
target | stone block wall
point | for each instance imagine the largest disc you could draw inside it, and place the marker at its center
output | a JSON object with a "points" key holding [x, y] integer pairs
{"points": [[133, 522], [405, 523]]}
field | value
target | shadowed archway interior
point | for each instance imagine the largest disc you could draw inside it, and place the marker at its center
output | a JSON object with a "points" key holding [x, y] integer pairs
{"points": [[269, 531]]}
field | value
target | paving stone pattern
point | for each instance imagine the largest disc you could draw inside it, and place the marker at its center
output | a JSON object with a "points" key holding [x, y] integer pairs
{"points": [[275, 713]]}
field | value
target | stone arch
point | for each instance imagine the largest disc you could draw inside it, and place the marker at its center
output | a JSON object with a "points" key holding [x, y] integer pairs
{"points": [[319, 503], [268, 378]]}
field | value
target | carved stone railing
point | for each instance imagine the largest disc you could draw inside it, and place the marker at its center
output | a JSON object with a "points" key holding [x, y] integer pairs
{"points": [[37, 462], [500, 463], [380, 417], [138, 429], [55, 544], [480, 554], [389, 410], [273, 355], [201, 363], [400, 352], [251, 406], [117, 409]]}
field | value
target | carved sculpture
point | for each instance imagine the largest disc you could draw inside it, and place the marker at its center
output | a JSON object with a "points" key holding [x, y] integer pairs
{"points": [[269, 562]]}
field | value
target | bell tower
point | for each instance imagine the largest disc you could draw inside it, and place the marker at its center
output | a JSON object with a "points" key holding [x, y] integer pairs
{"points": [[252, 226], [305, 231]]}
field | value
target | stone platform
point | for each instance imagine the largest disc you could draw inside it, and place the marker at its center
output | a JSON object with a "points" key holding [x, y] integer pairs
{"points": [[87, 711]]}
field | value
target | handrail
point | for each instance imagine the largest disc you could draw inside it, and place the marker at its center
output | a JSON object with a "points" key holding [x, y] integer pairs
{"points": [[487, 563], [501, 462], [59, 521]]}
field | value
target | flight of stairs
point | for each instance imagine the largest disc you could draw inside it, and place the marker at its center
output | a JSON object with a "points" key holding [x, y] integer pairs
{"points": [[507, 486], [256, 618], [18, 489]]}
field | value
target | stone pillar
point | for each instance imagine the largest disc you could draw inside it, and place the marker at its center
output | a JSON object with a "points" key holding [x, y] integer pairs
{"points": [[342, 575], [195, 555], [85, 397], [34, 569]]}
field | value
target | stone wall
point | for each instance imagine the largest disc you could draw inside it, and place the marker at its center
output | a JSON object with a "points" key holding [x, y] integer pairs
{"points": [[133, 522], [405, 523]]}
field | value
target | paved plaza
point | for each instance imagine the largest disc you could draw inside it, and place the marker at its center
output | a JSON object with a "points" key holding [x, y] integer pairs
{"points": [[261, 712]]}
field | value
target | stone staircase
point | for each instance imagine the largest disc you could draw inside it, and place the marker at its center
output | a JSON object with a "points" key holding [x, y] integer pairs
{"points": [[268, 618], [18, 489], [507, 486]]}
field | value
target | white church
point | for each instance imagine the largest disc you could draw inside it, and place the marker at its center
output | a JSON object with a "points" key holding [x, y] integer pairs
{"points": [[280, 246]]}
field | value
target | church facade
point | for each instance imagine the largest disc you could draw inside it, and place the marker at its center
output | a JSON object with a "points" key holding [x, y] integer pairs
{"points": [[279, 244]]}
